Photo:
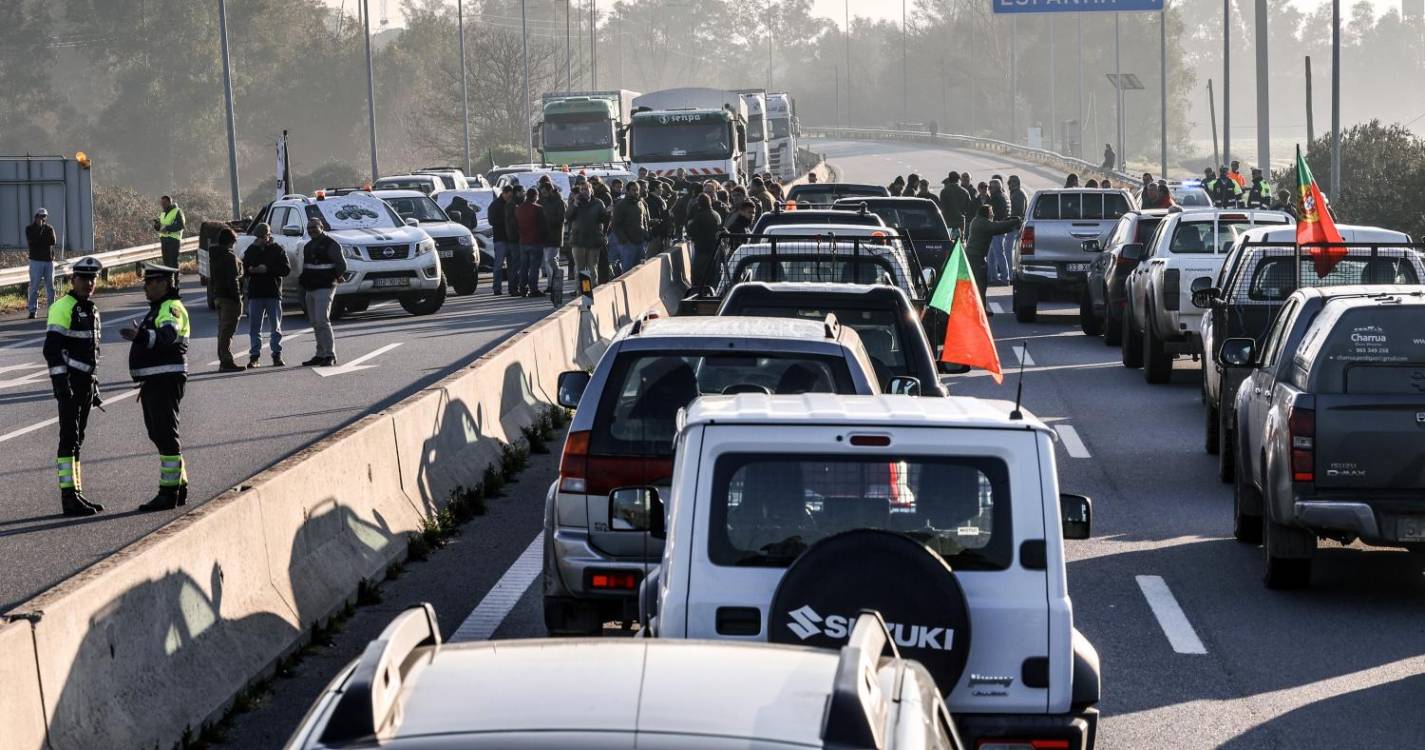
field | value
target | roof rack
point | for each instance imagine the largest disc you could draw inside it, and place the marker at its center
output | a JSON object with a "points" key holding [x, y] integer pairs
{"points": [[856, 711], [369, 697]]}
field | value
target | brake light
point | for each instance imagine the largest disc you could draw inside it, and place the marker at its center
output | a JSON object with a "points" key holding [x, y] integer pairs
{"points": [[999, 744], [1026, 241], [1301, 429], [613, 580], [574, 464], [791, 205], [1171, 289]]}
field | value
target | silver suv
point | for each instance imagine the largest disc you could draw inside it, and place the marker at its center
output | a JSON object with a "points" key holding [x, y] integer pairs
{"points": [[622, 436], [1048, 260]]}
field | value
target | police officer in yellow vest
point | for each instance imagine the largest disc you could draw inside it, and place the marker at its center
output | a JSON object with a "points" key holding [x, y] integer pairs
{"points": [[169, 226], [1225, 191], [158, 361], [71, 350], [1259, 191]]}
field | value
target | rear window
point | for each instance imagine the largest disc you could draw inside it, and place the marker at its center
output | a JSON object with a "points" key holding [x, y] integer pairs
{"points": [[768, 509], [879, 331], [836, 269], [1091, 205], [638, 408], [1209, 237], [1146, 226], [921, 222], [1275, 278], [814, 195], [1348, 350], [772, 219]]}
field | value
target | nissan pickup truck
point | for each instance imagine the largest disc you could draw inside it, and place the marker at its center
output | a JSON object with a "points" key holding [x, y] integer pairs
{"points": [[1048, 261]]}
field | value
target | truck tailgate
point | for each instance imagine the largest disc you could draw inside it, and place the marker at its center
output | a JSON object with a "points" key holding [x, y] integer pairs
{"points": [[1373, 437], [1063, 240]]}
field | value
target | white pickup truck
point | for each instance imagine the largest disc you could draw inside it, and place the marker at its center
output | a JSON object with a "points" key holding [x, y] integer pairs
{"points": [[1186, 252]]}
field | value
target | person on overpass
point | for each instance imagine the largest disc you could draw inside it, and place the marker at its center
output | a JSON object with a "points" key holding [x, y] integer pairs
{"points": [[1259, 191], [1110, 159], [71, 351], [169, 226], [322, 265], [954, 203], [983, 230], [158, 361]]}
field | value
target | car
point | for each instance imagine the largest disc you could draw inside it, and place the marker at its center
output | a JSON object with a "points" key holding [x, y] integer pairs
{"points": [[1159, 320], [1047, 256], [1119, 252], [827, 193], [622, 434], [1329, 428], [386, 257], [453, 242], [885, 318], [826, 253], [563, 179], [480, 199], [786, 515], [410, 689], [1255, 282], [779, 216], [429, 184], [451, 178], [918, 219]]}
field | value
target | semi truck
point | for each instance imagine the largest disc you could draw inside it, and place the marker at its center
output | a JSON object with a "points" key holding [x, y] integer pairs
{"points": [[782, 136], [702, 131], [757, 153], [578, 128]]}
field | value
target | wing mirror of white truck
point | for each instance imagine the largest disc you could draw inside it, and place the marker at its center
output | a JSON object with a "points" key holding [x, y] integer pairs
{"points": [[412, 223], [904, 385], [636, 509], [1132, 251], [1239, 352], [1203, 292], [1077, 515], [1091, 246], [571, 388]]}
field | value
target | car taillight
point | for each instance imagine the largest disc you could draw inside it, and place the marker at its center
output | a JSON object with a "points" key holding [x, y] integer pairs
{"points": [[613, 580], [999, 744], [1026, 241], [1301, 428], [1171, 289], [574, 465]]}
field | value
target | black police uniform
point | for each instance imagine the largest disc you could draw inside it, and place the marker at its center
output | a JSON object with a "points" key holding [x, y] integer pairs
{"points": [[71, 351], [158, 361]]}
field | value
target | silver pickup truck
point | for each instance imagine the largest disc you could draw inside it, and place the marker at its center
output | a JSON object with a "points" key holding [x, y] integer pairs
{"points": [[1048, 259]]}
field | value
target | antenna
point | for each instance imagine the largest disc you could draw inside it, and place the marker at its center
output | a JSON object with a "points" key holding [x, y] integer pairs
{"points": [[1019, 390]]}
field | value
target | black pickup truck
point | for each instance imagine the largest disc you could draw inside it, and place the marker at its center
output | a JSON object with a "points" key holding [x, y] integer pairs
{"points": [[1329, 426]]}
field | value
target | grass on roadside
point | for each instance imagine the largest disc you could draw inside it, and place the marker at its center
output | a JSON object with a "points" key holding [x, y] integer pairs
{"points": [[12, 301]]}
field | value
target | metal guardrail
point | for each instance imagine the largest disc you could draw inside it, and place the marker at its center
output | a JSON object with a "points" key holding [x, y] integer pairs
{"points": [[113, 260], [1085, 169]]}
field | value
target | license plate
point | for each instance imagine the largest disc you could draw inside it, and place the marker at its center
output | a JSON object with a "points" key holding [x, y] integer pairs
{"points": [[1076, 267], [1411, 529], [392, 282], [446, 253]]}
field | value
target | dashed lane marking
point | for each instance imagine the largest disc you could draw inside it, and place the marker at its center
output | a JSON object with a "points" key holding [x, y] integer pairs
{"points": [[1045, 368], [1070, 438], [495, 607], [1021, 352], [53, 420], [997, 308], [1170, 615]]}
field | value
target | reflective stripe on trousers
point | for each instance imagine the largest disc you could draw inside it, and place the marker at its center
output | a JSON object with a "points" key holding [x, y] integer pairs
{"points": [[66, 468], [171, 471]]}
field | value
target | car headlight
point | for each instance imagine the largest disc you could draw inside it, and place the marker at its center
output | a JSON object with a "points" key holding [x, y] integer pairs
{"points": [[466, 240], [351, 251], [425, 246]]}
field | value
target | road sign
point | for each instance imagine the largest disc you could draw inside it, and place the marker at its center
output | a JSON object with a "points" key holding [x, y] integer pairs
{"points": [[1130, 81], [1073, 6]]}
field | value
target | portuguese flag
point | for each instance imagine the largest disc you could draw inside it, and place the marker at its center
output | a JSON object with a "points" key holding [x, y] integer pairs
{"points": [[967, 332], [1315, 224]]}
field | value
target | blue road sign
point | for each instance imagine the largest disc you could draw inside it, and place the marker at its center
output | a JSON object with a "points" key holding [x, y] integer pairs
{"points": [[1073, 6]]}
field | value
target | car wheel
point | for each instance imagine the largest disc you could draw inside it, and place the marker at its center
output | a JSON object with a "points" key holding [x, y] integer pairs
{"points": [[1112, 329], [359, 304], [424, 303], [464, 283], [1246, 527], [1211, 439], [1026, 306], [339, 310], [1090, 324], [1226, 450], [1280, 571], [1157, 362], [1132, 343]]}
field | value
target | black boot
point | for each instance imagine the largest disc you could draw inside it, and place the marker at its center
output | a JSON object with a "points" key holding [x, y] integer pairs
{"points": [[166, 499], [80, 494], [71, 506], [182, 494]]}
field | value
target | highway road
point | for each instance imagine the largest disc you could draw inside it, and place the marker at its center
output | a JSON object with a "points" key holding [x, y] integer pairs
{"points": [[233, 424]]}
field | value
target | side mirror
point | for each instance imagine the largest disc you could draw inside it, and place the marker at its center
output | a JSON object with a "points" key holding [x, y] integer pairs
{"points": [[1076, 512], [1239, 352], [1204, 297], [637, 509], [1201, 282], [571, 388], [928, 276], [1132, 251], [291, 231], [904, 385], [1091, 246], [412, 223]]}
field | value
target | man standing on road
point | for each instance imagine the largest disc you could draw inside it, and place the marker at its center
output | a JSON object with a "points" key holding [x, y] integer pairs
{"points": [[657, 220], [1259, 192], [999, 255], [41, 240], [223, 280], [703, 228], [983, 230], [322, 265], [169, 226], [158, 361], [71, 351], [265, 264], [586, 231], [499, 235], [552, 204], [630, 228], [529, 217], [1018, 199], [1110, 159]]}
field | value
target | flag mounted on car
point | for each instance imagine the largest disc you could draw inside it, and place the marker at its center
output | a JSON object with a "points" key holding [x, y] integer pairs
{"points": [[967, 330], [1315, 224]]}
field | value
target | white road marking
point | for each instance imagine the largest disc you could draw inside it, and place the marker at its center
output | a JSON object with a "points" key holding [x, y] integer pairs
{"points": [[997, 308], [355, 364], [53, 420], [1070, 438], [1045, 368], [485, 619], [285, 338], [25, 379], [1170, 616], [29, 366], [1021, 352]]}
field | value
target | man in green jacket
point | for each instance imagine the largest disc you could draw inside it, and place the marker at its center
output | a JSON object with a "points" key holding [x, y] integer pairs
{"points": [[981, 233], [630, 228], [225, 273], [585, 219], [953, 200]]}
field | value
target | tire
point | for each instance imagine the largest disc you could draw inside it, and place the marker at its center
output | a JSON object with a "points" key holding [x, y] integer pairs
{"points": [[424, 303], [463, 282], [1132, 343], [1226, 450], [339, 310], [1090, 324], [1112, 330], [356, 305], [1280, 572], [1213, 436], [1026, 306], [1157, 362]]}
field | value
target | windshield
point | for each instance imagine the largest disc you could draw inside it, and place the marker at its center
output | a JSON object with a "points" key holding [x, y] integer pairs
{"points": [[1192, 197], [690, 141], [1208, 237], [421, 209], [923, 221], [781, 128], [573, 133], [637, 414], [768, 509], [754, 129], [878, 329], [354, 212]]}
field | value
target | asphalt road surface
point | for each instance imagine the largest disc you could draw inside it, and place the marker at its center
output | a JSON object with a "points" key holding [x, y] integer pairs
{"points": [[233, 424]]}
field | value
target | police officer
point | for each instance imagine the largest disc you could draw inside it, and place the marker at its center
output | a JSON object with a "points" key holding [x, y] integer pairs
{"points": [[71, 350], [158, 361], [1225, 191], [169, 226], [1259, 191]]}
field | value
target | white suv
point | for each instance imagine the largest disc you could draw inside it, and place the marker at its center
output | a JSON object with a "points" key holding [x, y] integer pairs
{"points": [[385, 256], [786, 515]]}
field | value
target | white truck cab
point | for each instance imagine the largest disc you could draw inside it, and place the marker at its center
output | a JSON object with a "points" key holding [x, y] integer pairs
{"points": [[786, 515]]}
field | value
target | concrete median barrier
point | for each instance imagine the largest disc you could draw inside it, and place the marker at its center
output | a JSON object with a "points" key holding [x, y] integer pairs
{"points": [[145, 647]]}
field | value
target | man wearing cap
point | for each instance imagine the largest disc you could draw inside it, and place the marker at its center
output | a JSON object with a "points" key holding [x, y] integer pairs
{"points": [[169, 226], [71, 351], [158, 361], [40, 237], [322, 265]]}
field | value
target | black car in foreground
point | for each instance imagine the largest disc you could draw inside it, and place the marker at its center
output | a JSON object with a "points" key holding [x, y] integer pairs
{"points": [[1330, 425]]}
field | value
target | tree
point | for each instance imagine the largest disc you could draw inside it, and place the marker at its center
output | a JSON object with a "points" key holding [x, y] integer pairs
{"points": [[1382, 172]]}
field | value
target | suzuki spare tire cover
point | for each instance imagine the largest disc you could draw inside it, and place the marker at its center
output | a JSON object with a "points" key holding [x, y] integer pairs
{"points": [[912, 587]]}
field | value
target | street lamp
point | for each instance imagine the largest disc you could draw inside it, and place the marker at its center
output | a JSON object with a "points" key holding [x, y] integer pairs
{"points": [[1123, 82]]}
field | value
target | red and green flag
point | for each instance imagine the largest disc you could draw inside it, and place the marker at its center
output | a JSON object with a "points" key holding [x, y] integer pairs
{"points": [[1315, 223], [967, 332]]}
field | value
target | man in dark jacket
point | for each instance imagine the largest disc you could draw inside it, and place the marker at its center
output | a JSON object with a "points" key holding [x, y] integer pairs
{"points": [[463, 213], [703, 228], [41, 240], [1018, 199], [529, 217], [71, 350], [953, 202], [741, 223], [999, 246], [158, 362], [499, 235], [224, 283], [896, 186], [322, 265], [553, 206], [657, 220], [514, 257], [585, 219], [630, 228], [265, 264], [981, 234]]}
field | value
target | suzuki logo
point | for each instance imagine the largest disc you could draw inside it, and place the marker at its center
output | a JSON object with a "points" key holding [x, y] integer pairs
{"points": [[807, 623]]}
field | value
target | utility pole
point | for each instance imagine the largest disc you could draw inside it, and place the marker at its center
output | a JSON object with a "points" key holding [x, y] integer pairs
{"points": [[464, 89], [1264, 143], [1053, 98], [1226, 83], [370, 85], [769, 45], [1212, 117], [1336, 99], [1079, 22], [846, 8], [228, 101], [905, 62], [838, 92], [568, 51], [1163, 90], [1310, 120], [1118, 93], [1013, 79], [524, 47], [593, 45]]}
